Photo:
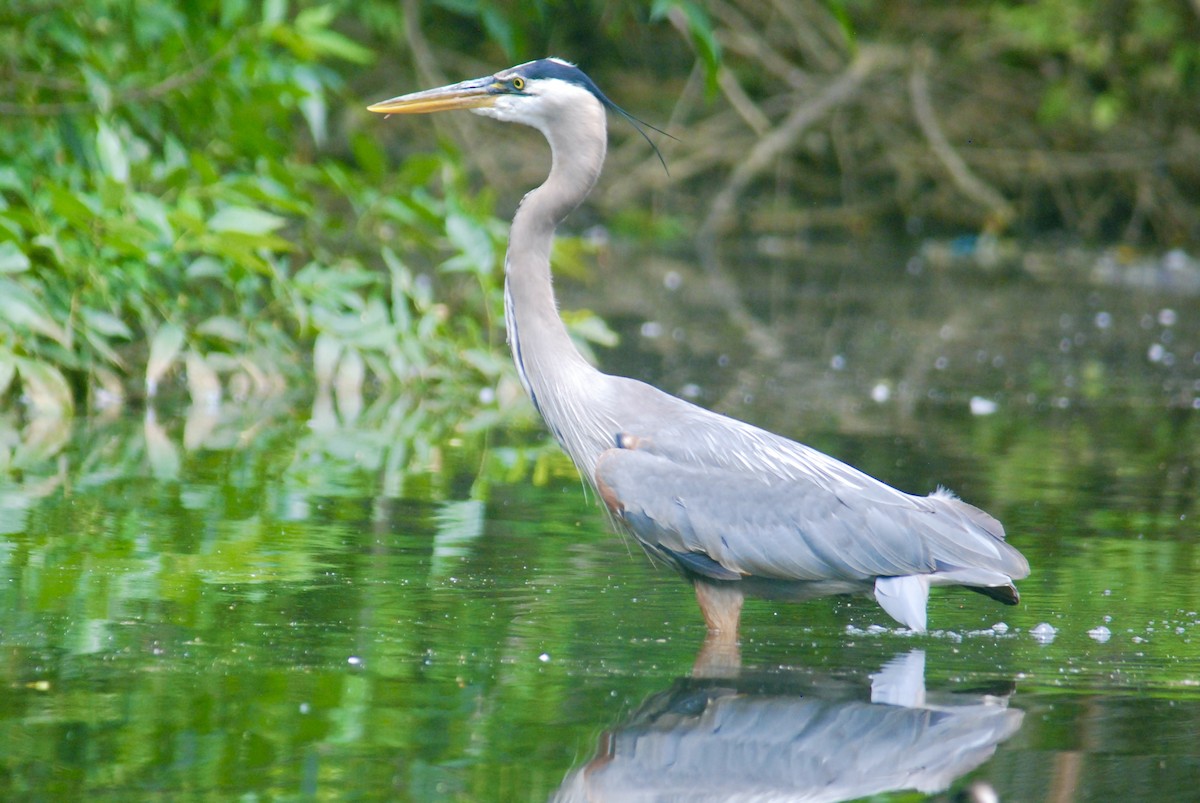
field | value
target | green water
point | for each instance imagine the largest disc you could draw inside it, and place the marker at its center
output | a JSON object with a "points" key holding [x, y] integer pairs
{"points": [[251, 607]]}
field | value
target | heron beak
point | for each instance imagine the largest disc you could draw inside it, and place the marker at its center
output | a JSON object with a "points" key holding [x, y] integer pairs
{"points": [[473, 94]]}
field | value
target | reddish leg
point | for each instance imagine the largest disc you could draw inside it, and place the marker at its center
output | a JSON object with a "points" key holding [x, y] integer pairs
{"points": [[722, 608]]}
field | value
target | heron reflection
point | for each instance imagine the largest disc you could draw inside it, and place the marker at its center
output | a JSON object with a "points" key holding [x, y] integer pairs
{"points": [[769, 737]]}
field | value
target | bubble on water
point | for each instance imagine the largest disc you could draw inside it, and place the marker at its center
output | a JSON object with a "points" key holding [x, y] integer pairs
{"points": [[1103, 320], [1100, 634], [652, 329], [1044, 633], [544, 657], [1000, 627], [881, 393], [354, 660], [981, 406]]}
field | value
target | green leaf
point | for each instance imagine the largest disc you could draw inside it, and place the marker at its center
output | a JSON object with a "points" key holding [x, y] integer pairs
{"points": [[312, 104], [164, 349], [78, 209], [204, 386], [703, 35], [589, 326], [312, 24], [11, 179], [153, 212], [12, 258], [246, 220], [326, 352], [274, 11], [205, 267], [105, 323], [45, 386], [332, 43], [223, 327], [500, 30], [8, 369], [111, 150], [473, 242], [22, 310]]}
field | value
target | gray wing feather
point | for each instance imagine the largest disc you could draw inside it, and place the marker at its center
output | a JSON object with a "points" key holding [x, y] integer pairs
{"points": [[765, 506]]}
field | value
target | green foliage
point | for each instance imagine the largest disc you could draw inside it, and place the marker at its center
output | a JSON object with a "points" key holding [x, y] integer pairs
{"points": [[161, 207], [1106, 58], [700, 28]]}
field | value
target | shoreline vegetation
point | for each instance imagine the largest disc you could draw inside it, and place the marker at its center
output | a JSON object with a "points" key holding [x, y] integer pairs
{"points": [[194, 204]]}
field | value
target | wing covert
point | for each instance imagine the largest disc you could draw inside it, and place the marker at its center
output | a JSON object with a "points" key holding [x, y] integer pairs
{"points": [[739, 511], [788, 530]]}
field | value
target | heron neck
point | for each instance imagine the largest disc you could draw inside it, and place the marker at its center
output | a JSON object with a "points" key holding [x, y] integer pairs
{"points": [[554, 373]]}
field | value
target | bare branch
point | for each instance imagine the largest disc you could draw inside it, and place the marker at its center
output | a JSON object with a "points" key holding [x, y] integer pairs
{"points": [[785, 136], [967, 181]]}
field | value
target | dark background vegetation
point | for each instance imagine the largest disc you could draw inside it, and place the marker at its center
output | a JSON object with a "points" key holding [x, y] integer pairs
{"points": [[198, 185]]}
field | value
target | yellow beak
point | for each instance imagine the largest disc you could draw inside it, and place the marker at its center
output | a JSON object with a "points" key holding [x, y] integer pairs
{"points": [[473, 94]]}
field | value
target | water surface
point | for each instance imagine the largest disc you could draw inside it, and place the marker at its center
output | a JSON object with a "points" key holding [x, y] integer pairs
{"points": [[253, 607]]}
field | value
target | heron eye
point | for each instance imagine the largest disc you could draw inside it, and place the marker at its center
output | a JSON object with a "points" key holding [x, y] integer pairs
{"points": [[518, 83]]}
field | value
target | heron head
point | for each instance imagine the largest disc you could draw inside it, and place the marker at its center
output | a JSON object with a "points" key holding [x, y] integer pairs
{"points": [[538, 93], [527, 93]]}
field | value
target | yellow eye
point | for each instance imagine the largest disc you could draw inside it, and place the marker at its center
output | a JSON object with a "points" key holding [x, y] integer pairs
{"points": [[518, 83]]}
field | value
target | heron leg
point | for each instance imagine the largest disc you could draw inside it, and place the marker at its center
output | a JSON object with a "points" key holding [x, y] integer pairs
{"points": [[721, 604]]}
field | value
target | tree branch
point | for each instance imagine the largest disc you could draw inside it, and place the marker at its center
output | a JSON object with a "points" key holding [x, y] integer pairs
{"points": [[968, 182]]}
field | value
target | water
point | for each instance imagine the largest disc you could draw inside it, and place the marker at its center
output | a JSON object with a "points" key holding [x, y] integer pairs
{"points": [[248, 608]]}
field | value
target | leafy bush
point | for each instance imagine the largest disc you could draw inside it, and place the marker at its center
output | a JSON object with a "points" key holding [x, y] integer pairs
{"points": [[163, 205]]}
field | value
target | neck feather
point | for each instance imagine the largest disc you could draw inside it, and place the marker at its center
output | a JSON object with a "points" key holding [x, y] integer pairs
{"points": [[554, 373]]}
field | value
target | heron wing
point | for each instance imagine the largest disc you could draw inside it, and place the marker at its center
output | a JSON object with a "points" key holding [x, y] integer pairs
{"points": [[760, 505]]}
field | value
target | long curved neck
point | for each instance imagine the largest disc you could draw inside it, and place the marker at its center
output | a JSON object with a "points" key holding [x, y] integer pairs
{"points": [[554, 373]]}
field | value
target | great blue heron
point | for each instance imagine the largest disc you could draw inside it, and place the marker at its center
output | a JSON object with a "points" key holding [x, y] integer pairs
{"points": [[734, 508]]}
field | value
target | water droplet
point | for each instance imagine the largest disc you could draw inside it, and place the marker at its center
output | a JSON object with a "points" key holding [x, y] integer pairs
{"points": [[652, 329], [982, 406], [1044, 633]]}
